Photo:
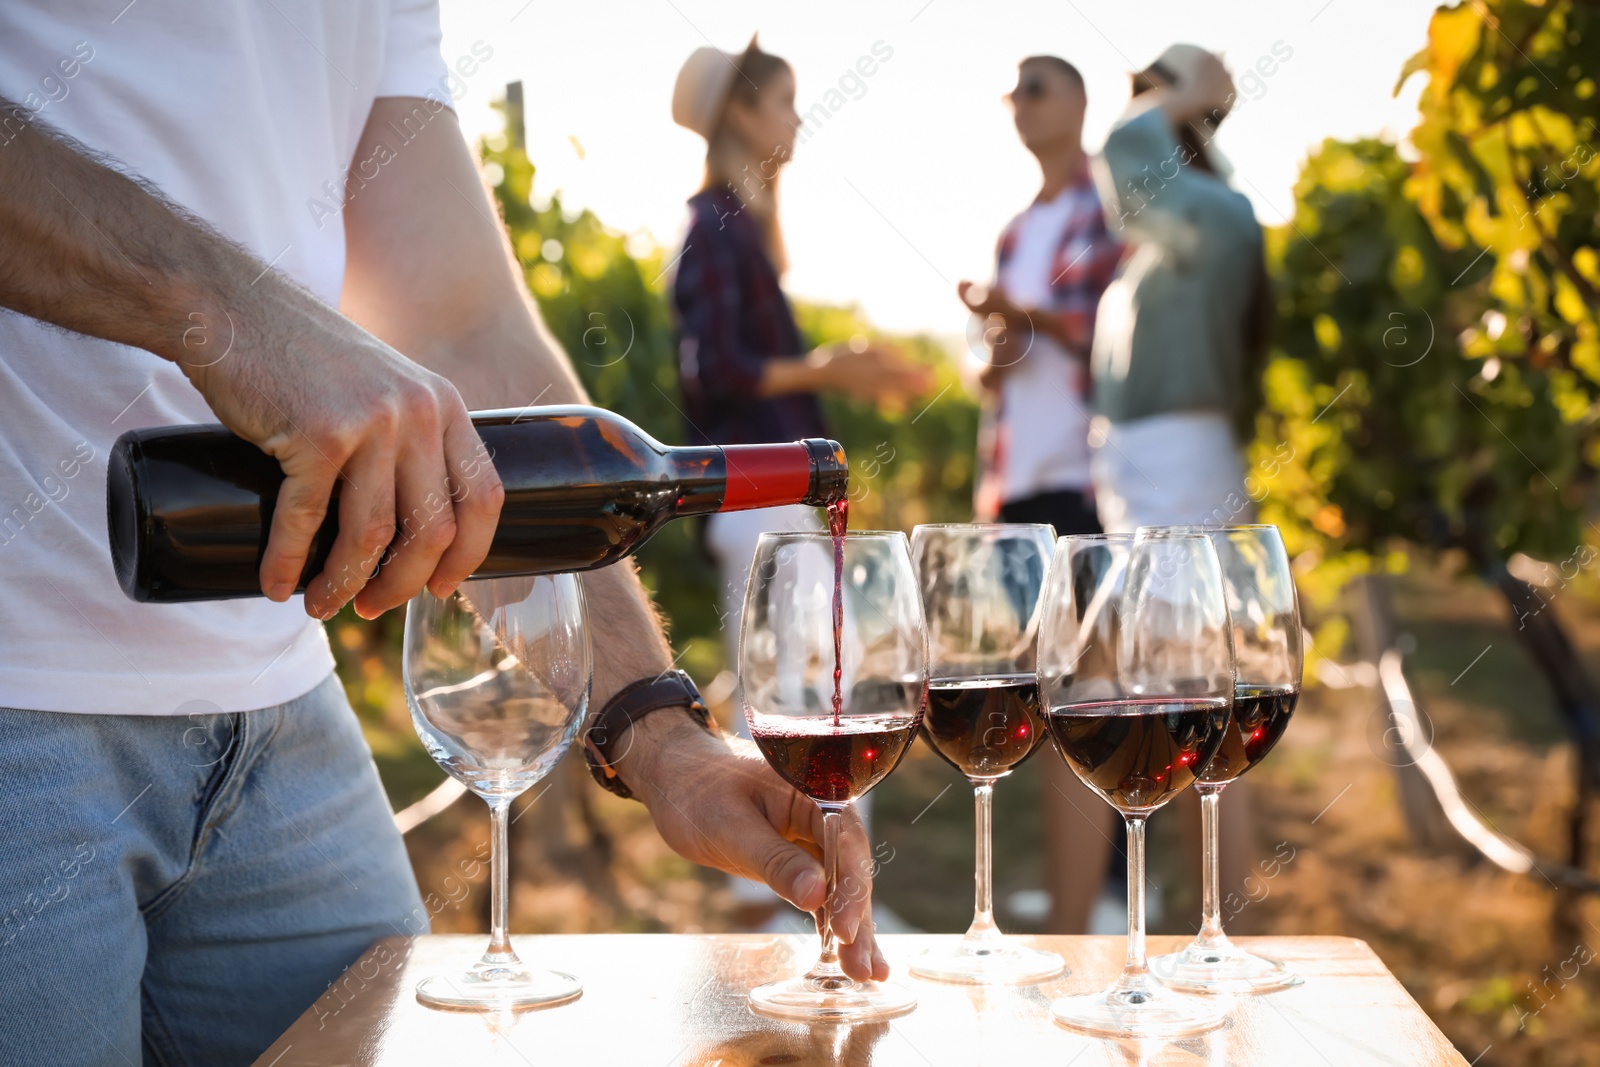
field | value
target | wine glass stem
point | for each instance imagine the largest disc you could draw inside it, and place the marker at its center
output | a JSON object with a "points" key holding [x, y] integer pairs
{"points": [[1211, 845], [827, 965], [1134, 966], [983, 927], [500, 950]]}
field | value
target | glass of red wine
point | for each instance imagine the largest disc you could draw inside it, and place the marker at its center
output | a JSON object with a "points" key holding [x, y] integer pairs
{"points": [[497, 679], [1136, 674], [980, 592], [1265, 617], [833, 674]]}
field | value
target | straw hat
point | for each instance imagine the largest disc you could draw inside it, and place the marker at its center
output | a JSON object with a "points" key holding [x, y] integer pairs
{"points": [[702, 88]]}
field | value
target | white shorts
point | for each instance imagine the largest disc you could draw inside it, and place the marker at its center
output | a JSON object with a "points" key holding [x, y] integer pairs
{"points": [[1168, 470]]}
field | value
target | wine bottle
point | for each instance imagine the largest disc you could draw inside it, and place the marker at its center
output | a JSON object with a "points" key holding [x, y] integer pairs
{"points": [[189, 507]]}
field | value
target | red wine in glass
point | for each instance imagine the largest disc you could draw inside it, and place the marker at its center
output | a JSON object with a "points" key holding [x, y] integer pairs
{"points": [[1260, 716], [1138, 753], [984, 727], [834, 763]]}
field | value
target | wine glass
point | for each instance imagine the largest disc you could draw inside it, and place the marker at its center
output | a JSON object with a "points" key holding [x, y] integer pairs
{"points": [[1265, 617], [1136, 722], [497, 679], [980, 592], [833, 671]]}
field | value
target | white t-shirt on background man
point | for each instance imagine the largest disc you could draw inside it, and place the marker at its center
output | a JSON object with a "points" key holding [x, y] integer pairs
{"points": [[1045, 412], [247, 114]]}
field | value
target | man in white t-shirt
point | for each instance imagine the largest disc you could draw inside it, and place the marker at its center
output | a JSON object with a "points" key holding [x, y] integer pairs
{"points": [[247, 213], [1053, 262]]}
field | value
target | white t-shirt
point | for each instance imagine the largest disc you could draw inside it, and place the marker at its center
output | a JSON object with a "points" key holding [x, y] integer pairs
{"points": [[1044, 416], [247, 114]]}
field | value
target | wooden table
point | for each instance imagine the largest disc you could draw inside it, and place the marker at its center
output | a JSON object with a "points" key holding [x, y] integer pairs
{"points": [[662, 1000]]}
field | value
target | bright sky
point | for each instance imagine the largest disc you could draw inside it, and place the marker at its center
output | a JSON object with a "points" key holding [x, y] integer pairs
{"points": [[903, 190]]}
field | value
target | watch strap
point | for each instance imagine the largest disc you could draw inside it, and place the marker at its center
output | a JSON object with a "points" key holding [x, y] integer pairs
{"points": [[669, 689]]}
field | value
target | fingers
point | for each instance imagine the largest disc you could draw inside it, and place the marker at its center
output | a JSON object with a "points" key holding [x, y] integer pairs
{"points": [[862, 958], [301, 507], [419, 498], [851, 919], [852, 903], [478, 495], [366, 526], [792, 872], [780, 848], [423, 501], [424, 518], [852, 899], [747, 821]]}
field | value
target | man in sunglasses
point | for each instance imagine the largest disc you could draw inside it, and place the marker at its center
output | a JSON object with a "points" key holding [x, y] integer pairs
{"points": [[1053, 262], [1037, 318]]}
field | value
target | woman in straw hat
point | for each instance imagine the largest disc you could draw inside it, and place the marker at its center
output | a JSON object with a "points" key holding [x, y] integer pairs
{"points": [[747, 375]]}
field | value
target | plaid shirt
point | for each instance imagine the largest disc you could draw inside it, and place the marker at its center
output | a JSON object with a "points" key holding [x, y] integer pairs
{"points": [[732, 319], [1085, 260]]}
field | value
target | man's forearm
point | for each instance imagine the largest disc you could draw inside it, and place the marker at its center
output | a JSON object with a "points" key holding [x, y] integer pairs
{"points": [[87, 248]]}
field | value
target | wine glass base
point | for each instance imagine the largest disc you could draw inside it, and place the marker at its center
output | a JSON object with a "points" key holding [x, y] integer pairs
{"points": [[988, 963], [831, 999], [1144, 1011], [1222, 969], [498, 989]]}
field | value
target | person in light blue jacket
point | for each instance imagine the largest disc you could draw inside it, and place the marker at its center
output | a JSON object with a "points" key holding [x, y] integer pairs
{"points": [[1181, 329]]}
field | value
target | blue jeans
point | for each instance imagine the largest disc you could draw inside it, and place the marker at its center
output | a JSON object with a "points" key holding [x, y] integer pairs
{"points": [[177, 890]]}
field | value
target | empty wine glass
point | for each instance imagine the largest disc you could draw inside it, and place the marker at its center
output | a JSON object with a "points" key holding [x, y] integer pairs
{"points": [[497, 679], [980, 592], [833, 672], [1137, 703], [1265, 617]]}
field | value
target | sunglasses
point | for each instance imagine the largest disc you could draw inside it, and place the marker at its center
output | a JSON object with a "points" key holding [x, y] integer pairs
{"points": [[1032, 89]]}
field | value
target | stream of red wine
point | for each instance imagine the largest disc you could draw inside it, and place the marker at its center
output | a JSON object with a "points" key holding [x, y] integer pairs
{"points": [[838, 522]]}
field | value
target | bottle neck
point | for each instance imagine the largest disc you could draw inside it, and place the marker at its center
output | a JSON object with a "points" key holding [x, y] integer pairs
{"points": [[742, 477], [766, 476], [699, 474]]}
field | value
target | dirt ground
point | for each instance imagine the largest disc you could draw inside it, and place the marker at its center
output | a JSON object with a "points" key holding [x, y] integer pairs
{"points": [[1486, 953]]}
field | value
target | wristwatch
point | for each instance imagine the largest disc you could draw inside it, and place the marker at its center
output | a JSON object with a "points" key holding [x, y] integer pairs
{"points": [[669, 689]]}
